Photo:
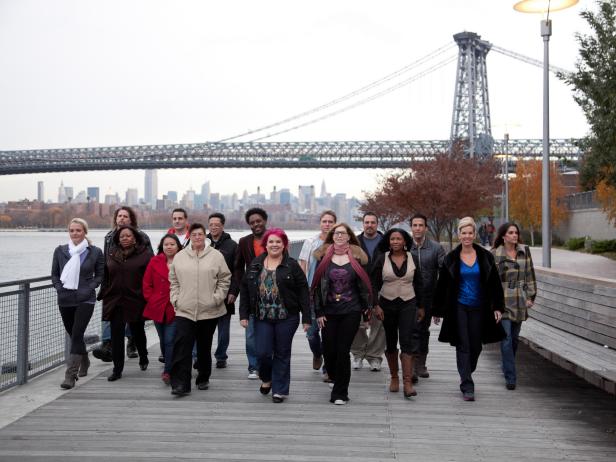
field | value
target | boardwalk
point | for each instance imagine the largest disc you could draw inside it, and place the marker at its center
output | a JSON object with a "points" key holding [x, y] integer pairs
{"points": [[551, 416]]}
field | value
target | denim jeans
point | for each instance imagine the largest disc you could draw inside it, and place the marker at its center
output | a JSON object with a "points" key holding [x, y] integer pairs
{"points": [[166, 336], [509, 348], [273, 341], [314, 336], [251, 345], [224, 324], [106, 326]]}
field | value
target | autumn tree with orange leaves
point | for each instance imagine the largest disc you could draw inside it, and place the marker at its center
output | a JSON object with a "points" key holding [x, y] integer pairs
{"points": [[444, 188], [525, 196]]}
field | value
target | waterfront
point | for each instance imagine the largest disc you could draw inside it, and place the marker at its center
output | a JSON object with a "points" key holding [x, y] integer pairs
{"points": [[27, 254]]}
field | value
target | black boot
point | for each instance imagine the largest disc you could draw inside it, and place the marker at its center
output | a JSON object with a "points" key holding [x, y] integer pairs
{"points": [[103, 352], [131, 349]]}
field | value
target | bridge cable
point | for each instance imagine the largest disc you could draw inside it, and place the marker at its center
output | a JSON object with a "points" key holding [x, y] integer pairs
{"points": [[347, 96], [528, 60], [365, 100]]}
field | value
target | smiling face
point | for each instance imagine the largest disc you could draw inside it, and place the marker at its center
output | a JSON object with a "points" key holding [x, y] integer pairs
{"points": [[77, 233], [123, 218], [126, 238], [257, 224], [341, 236], [179, 222], [170, 247], [274, 246], [467, 236], [396, 242], [216, 227], [197, 239], [512, 235]]}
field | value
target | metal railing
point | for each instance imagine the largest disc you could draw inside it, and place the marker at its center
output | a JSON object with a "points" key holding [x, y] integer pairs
{"points": [[580, 201], [32, 336]]}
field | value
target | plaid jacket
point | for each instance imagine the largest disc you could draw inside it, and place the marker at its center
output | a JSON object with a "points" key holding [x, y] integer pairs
{"points": [[518, 280]]}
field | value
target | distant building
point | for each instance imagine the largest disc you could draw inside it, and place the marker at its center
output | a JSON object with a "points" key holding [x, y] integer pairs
{"points": [[323, 189], [61, 193], [40, 191], [285, 197], [132, 196], [306, 199], [94, 194], [80, 198], [112, 199], [151, 188], [205, 192], [172, 196], [70, 195]]}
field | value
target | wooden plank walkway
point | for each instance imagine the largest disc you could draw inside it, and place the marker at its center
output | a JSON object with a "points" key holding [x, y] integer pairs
{"points": [[553, 415]]}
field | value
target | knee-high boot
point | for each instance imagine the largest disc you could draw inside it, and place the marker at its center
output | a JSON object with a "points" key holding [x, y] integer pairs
{"points": [[392, 361], [72, 368], [407, 374], [84, 365]]}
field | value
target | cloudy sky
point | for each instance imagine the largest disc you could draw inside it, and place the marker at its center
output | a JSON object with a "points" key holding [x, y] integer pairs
{"points": [[78, 73]]}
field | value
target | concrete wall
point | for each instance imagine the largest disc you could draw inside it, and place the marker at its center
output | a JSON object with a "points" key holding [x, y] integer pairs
{"points": [[586, 222]]}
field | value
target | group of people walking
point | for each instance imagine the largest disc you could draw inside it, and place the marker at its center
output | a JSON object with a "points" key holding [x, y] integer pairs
{"points": [[371, 295]]}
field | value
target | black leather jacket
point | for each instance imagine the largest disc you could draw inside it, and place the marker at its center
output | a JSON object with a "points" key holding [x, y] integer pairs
{"points": [[291, 282], [429, 259]]}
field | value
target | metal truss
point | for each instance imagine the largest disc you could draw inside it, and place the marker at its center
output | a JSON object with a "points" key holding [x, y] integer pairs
{"points": [[317, 154]]}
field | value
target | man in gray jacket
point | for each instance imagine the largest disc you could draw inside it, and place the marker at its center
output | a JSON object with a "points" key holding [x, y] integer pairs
{"points": [[430, 256]]}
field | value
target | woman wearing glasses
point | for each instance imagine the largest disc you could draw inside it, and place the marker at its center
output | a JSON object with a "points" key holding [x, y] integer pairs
{"points": [[342, 293]]}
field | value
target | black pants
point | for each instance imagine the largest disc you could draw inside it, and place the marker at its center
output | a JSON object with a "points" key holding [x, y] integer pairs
{"points": [[75, 320], [423, 331], [338, 335], [400, 322], [118, 326], [469, 348], [186, 332]]}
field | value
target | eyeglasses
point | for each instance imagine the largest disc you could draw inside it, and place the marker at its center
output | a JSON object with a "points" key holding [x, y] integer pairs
{"points": [[340, 233]]}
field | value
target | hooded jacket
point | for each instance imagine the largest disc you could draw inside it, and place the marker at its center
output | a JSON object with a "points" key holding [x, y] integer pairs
{"points": [[156, 288], [199, 284]]}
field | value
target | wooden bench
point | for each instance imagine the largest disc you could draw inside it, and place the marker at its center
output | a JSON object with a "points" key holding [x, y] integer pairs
{"points": [[573, 324]]}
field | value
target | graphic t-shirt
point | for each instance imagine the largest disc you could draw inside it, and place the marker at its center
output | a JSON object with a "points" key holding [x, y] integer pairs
{"points": [[342, 293]]}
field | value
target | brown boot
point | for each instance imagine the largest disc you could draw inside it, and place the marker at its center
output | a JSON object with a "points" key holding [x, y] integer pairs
{"points": [[84, 365], [407, 374], [420, 366], [72, 368], [392, 361]]}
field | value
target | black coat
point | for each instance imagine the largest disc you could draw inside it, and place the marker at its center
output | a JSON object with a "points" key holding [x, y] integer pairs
{"points": [[446, 297], [229, 249], [90, 276], [291, 282]]}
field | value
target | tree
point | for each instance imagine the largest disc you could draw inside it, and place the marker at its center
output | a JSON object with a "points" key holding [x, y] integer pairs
{"points": [[386, 212], [594, 88], [525, 196], [444, 189], [606, 195]]}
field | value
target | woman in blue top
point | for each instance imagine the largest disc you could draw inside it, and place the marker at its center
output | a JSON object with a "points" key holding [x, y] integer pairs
{"points": [[469, 298]]}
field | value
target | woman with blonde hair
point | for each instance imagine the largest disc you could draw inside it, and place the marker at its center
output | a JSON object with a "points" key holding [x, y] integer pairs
{"points": [[469, 298], [342, 293], [76, 271]]}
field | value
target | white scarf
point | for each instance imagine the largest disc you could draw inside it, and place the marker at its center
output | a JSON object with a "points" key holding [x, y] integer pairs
{"points": [[70, 272]]}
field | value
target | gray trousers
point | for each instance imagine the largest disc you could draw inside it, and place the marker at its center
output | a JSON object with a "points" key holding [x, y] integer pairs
{"points": [[369, 345]]}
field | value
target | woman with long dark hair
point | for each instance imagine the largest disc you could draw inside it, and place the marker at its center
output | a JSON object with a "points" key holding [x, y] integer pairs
{"points": [[275, 291], [397, 285], [76, 271], [122, 295], [156, 289], [342, 293], [517, 275], [469, 297]]}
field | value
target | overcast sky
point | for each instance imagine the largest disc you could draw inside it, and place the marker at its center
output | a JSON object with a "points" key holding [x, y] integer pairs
{"points": [[79, 73]]}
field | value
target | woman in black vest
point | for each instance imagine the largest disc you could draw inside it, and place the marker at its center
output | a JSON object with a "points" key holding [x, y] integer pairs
{"points": [[76, 271], [397, 285]]}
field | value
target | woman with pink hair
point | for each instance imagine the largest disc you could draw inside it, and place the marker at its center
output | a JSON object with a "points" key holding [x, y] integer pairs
{"points": [[342, 293], [275, 291]]}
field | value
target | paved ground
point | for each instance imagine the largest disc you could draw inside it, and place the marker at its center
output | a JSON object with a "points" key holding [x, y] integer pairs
{"points": [[578, 262], [552, 416]]}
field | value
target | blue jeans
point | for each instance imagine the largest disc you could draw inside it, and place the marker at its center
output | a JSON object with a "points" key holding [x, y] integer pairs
{"points": [[314, 336], [274, 340], [224, 324], [166, 336], [509, 348], [251, 345], [106, 326]]}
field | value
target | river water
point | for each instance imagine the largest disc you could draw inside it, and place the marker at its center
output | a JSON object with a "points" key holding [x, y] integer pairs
{"points": [[28, 254]]}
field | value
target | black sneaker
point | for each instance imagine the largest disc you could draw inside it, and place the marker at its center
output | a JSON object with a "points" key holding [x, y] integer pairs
{"points": [[179, 390], [221, 364], [203, 385], [103, 352]]}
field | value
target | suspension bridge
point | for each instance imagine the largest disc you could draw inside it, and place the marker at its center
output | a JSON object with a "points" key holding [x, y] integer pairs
{"points": [[471, 126]]}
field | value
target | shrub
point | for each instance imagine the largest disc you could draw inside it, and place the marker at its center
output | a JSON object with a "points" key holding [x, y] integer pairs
{"points": [[575, 243], [608, 245]]}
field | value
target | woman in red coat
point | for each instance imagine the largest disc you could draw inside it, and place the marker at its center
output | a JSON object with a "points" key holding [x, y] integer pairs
{"points": [[156, 291]]}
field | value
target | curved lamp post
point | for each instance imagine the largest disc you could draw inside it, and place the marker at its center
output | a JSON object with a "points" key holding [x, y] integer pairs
{"points": [[545, 6]]}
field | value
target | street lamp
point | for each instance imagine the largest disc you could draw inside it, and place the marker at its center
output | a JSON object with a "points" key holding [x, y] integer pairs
{"points": [[545, 6]]}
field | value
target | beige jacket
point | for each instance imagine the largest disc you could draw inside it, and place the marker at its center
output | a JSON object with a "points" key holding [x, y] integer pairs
{"points": [[199, 284]]}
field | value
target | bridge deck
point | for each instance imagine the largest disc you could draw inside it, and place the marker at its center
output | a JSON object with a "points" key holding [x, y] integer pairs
{"points": [[553, 415]]}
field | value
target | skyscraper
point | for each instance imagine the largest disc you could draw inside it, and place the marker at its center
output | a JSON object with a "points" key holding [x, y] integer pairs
{"points": [[40, 188], [132, 196], [151, 188], [61, 193], [94, 194]]}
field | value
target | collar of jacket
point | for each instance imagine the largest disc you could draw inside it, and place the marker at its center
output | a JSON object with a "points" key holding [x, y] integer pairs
{"points": [[159, 264], [192, 254], [356, 251], [118, 254], [453, 262], [223, 237], [424, 245]]}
